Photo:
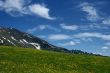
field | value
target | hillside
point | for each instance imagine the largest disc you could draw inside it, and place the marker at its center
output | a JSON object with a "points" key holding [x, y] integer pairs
{"points": [[19, 60], [17, 38]]}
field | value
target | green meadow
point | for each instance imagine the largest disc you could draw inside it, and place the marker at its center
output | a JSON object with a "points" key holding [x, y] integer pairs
{"points": [[25, 60]]}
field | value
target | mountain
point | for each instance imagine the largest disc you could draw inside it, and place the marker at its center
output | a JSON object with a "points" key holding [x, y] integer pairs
{"points": [[14, 37]]}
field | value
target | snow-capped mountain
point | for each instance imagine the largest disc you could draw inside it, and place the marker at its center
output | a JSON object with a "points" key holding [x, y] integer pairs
{"points": [[14, 37]]}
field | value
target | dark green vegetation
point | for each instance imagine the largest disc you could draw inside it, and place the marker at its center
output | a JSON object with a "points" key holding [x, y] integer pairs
{"points": [[19, 60]]}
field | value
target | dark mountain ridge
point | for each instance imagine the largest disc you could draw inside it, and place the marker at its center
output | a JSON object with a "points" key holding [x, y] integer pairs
{"points": [[14, 37]]}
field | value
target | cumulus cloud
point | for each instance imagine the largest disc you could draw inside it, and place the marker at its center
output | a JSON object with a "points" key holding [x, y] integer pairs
{"points": [[96, 35], [41, 11], [59, 37], [12, 7], [69, 27], [21, 7], [91, 11]]}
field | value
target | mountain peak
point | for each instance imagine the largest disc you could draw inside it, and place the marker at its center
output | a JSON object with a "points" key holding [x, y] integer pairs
{"points": [[14, 37]]}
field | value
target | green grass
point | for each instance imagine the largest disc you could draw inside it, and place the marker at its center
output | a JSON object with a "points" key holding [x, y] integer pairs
{"points": [[19, 60]]}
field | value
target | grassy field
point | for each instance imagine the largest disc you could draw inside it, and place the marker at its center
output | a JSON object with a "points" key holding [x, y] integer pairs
{"points": [[19, 60]]}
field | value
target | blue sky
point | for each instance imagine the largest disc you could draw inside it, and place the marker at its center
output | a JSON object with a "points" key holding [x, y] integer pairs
{"points": [[73, 24]]}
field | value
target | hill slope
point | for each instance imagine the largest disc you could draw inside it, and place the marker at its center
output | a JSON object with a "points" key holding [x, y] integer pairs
{"points": [[19, 60], [14, 37]]}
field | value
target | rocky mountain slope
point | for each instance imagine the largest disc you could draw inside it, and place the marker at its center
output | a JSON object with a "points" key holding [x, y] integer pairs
{"points": [[14, 37]]}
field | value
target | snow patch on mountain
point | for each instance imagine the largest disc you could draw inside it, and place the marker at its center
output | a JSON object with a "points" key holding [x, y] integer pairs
{"points": [[25, 41], [4, 38], [13, 38], [21, 41], [36, 45], [1, 41], [11, 42]]}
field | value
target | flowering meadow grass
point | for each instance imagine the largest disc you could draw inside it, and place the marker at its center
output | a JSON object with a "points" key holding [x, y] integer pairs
{"points": [[25, 60]]}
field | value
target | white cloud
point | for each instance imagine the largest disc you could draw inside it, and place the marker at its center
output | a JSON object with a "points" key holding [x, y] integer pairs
{"points": [[69, 27], [40, 10], [97, 26], [21, 7], [106, 21], [43, 27], [59, 37], [32, 30], [93, 26], [96, 35], [70, 43], [12, 7], [86, 34], [87, 39], [105, 48], [91, 11]]}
